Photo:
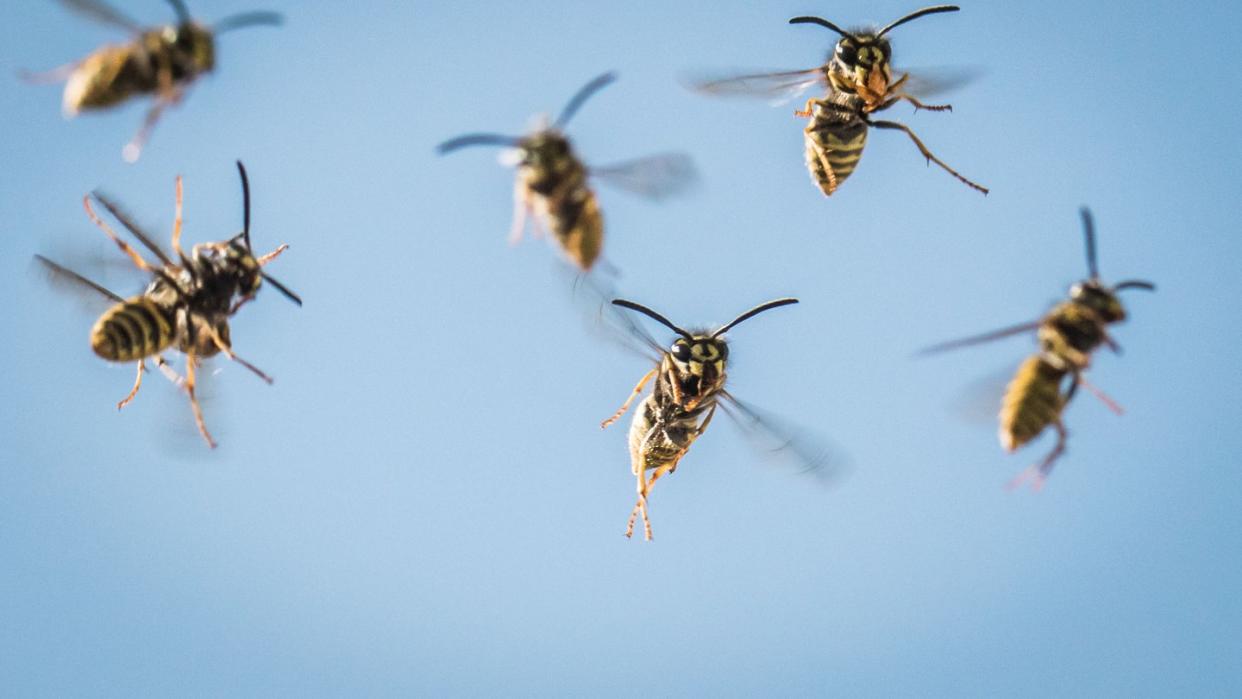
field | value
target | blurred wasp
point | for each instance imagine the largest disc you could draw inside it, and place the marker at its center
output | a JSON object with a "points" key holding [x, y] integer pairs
{"points": [[858, 80], [689, 386], [162, 61], [187, 304], [1068, 335], [552, 180]]}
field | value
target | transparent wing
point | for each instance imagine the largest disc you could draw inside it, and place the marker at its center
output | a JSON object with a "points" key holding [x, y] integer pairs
{"points": [[655, 177], [103, 13], [776, 437], [1019, 329], [930, 82], [92, 296], [777, 88], [126, 220], [593, 296]]}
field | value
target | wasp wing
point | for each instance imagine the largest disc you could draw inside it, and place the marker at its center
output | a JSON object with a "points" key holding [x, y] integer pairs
{"points": [[777, 88], [655, 177], [593, 295], [103, 13], [979, 339], [930, 82], [147, 241], [779, 438], [94, 296]]}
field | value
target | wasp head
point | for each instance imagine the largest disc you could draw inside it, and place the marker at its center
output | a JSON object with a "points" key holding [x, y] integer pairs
{"points": [[1100, 299], [227, 269], [860, 62], [193, 49], [698, 366]]}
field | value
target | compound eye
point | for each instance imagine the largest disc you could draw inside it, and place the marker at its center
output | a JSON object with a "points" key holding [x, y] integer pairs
{"points": [[724, 351], [847, 53], [681, 352]]}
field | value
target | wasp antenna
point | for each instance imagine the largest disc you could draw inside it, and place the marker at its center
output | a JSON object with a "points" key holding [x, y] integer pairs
{"points": [[183, 12], [1088, 232], [241, 169], [653, 315], [823, 23], [475, 139], [584, 93], [281, 288], [754, 312], [248, 19], [1135, 284], [916, 14]]}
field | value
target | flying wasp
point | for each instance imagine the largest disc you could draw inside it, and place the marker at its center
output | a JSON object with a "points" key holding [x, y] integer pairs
{"points": [[162, 61], [552, 181], [858, 82], [689, 386], [187, 304], [1068, 335]]}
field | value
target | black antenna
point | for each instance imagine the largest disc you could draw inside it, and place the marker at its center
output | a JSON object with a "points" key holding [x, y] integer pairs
{"points": [[1135, 284], [916, 14], [183, 12], [1088, 231], [580, 98], [281, 288], [754, 312], [823, 23], [248, 19], [653, 315], [245, 204], [475, 139]]}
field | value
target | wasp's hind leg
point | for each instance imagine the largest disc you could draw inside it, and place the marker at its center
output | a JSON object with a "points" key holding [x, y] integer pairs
{"points": [[1037, 474], [137, 384], [198, 410], [224, 347], [926, 153]]}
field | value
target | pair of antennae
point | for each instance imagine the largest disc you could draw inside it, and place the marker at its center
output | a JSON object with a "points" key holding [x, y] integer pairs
{"points": [[669, 324], [1088, 232], [912, 16], [237, 21], [580, 98], [245, 235]]}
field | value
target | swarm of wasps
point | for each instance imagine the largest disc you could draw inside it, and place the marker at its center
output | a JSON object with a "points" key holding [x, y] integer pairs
{"points": [[190, 299]]}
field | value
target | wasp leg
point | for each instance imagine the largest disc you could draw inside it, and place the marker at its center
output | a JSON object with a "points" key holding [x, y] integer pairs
{"points": [[176, 232], [926, 153], [1104, 397], [1037, 474], [920, 105], [228, 352], [806, 110], [521, 211], [168, 372], [821, 155], [198, 411], [137, 384], [166, 96], [133, 254], [273, 254], [626, 405]]}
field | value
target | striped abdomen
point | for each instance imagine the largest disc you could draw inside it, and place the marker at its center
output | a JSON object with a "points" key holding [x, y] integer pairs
{"points": [[136, 328], [834, 144], [1032, 401], [655, 442], [107, 77], [576, 221]]}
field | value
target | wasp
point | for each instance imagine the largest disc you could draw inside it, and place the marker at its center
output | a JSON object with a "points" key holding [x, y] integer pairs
{"points": [[858, 82], [689, 387], [1068, 335], [553, 183], [162, 61], [187, 304]]}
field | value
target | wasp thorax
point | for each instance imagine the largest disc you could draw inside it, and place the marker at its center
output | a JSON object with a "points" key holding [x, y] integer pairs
{"points": [[1100, 299], [228, 268]]}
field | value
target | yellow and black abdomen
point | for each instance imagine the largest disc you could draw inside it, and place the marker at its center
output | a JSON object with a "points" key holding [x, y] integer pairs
{"points": [[108, 77], [578, 224], [136, 328], [1032, 401], [834, 144]]}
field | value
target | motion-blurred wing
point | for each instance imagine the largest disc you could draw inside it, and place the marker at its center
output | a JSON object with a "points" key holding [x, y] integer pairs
{"points": [[979, 339], [776, 437], [103, 13], [930, 82], [616, 326], [655, 177], [147, 241], [95, 295], [776, 88]]}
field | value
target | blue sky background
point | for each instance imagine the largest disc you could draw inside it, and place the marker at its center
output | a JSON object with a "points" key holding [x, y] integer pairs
{"points": [[423, 502]]}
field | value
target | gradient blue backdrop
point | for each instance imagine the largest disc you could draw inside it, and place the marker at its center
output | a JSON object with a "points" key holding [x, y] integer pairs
{"points": [[423, 502]]}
